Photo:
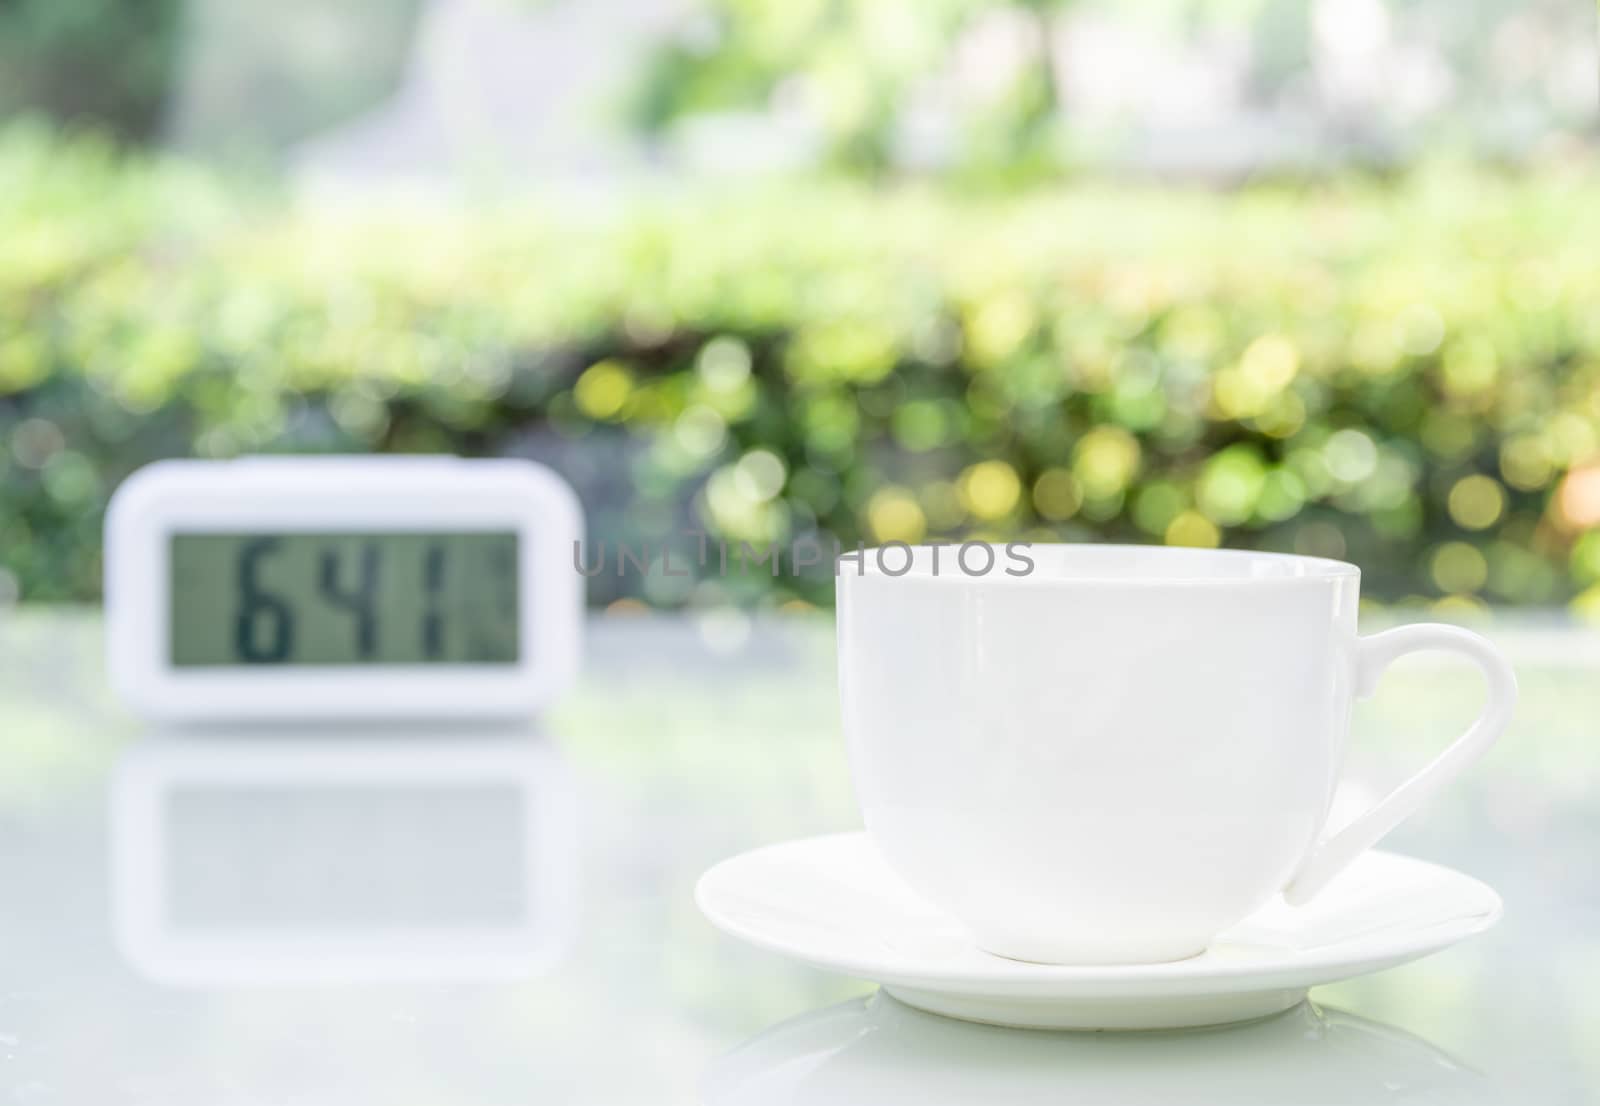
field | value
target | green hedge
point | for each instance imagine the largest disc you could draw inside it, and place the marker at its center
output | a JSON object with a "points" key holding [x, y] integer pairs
{"points": [[1401, 373]]}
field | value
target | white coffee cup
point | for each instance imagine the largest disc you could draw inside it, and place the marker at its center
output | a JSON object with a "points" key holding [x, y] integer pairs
{"points": [[1117, 754]]}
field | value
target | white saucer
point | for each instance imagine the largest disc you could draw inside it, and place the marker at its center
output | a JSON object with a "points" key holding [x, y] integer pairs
{"points": [[831, 902]]}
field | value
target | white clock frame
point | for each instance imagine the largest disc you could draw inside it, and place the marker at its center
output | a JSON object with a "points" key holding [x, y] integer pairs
{"points": [[341, 494]]}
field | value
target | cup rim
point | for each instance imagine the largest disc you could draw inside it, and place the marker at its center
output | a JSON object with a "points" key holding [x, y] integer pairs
{"points": [[1303, 568]]}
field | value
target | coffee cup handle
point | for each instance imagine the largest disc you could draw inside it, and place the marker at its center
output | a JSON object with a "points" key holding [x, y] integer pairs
{"points": [[1373, 655]]}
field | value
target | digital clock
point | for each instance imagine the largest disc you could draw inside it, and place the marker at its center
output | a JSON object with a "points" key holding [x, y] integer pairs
{"points": [[341, 588]]}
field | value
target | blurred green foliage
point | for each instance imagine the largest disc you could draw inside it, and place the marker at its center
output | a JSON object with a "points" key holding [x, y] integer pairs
{"points": [[258, 79], [1406, 375], [856, 67], [233, 78], [110, 61]]}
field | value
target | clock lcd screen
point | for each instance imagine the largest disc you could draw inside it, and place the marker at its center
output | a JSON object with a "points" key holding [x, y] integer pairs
{"points": [[344, 598]]}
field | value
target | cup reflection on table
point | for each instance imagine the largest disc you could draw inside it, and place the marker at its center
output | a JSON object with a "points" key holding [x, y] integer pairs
{"points": [[307, 857], [877, 1051]]}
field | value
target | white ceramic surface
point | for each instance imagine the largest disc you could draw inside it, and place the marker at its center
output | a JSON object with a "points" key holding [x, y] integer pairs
{"points": [[1119, 755], [876, 1052], [833, 903]]}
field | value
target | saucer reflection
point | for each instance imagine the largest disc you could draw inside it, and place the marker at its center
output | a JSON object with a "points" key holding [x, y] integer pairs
{"points": [[306, 858], [878, 1051]]}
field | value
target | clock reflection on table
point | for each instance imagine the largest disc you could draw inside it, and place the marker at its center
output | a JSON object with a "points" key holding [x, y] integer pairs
{"points": [[306, 857]]}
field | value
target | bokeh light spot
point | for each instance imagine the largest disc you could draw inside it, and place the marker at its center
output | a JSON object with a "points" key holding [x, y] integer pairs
{"points": [[738, 510], [1447, 434], [1469, 368], [1270, 362], [35, 441], [990, 489], [1156, 505], [1057, 494], [700, 431], [1106, 460], [998, 326], [1458, 567], [1283, 417], [1191, 528], [70, 479], [894, 515], [1419, 330], [23, 362], [603, 389], [1476, 502], [941, 501], [921, 424], [1230, 485], [724, 364], [760, 475], [1571, 438], [1578, 500], [1350, 456], [1283, 493], [1525, 463], [1584, 560]]}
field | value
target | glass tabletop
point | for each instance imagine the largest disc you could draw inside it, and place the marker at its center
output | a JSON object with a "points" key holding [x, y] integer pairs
{"points": [[454, 915]]}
